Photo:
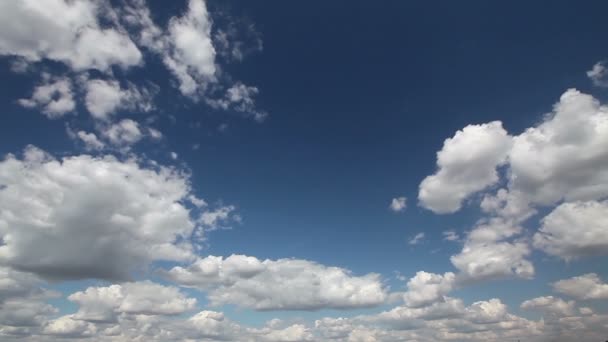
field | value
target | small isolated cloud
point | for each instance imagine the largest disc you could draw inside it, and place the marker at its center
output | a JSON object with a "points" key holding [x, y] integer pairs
{"points": [[416, 239], [54, 97], [450, 235], [398, 204], [599, 74]]}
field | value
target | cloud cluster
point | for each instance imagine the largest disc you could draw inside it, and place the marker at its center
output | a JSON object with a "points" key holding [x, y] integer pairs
{"points": [[561, 161], [69, 32], [284, 284], [97, 43]]}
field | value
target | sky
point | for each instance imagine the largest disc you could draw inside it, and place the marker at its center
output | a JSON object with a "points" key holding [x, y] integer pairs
{"points": [[303, 171]]}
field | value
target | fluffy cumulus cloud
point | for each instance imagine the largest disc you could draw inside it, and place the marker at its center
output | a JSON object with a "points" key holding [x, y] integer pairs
{"points": [[566, 156], [65, 31], [584, 287], [487, 254], [563, 159], [466, 164], [103, 304], [574, 230], [550, 306], [122, 214], [54, 97], [426, 288], [284, 284], [192, 57]]}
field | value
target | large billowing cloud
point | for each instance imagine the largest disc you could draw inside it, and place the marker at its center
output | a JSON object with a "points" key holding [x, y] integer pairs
{"points": [[284, 284], [65, 31], [96, 217]]}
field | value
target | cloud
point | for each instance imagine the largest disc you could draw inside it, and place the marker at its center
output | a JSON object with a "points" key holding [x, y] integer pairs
{"points": [[563, 158], [466, 164], [566, 156], [105, 97], [54, 96], [427, 288], [65, 31], [487, 254], [122, 214], [450, 235], [90, 140], [599, 74], [585, 287], [192, 56], [550, 306], [104, 304], [69, 327], [416, 239], [240, 98], [574, 230], [283, 284], [398, 204], [125, 132]]}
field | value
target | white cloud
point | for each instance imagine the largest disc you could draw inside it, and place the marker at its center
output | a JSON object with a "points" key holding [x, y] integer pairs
{"points": [[427, 288], [486, 254], [566, 156], [416, 239], [240, 98], [450, 235], [192, 55], [90, 140], [398, 204], [550, 306], [104, 304], [125, 132], [65, 31], [122, 215], [104, 97], [584, 287], [599, 74], [574, 230], [69, 327], [284, 284], [467, 164], [54, 96]]}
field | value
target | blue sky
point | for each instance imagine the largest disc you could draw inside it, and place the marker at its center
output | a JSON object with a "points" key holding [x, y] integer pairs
{"points": [[209, 167]]}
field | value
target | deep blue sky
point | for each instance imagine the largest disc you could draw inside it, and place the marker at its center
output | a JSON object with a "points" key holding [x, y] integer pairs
{"points": [[360, 96]]}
